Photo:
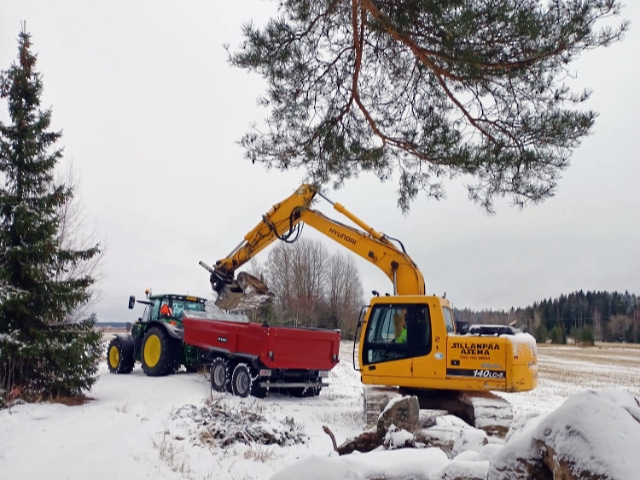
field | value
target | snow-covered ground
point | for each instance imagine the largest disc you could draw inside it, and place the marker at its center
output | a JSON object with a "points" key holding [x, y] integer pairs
{"points": [[176, 428]]}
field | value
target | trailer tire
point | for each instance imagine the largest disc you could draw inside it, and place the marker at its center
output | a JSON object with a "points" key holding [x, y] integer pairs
{"points": [[220, 374], [160, 353], [120, 355], [241, 380]]}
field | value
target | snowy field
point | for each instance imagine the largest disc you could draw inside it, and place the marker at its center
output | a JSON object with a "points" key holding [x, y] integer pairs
{"points": [[566, 370], [176, 428]]}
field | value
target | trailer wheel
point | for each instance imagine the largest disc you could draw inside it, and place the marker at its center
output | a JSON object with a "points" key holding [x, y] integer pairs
{"points": [[159, 353], [120, 355], [220, 374], [241, 380]]}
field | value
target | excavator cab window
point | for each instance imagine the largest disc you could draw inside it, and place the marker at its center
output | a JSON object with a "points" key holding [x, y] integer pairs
{"points": [[448, 320], [422, 330], [386, 337], [397, 331]]}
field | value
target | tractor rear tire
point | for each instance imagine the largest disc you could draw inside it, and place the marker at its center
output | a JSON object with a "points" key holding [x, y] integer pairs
{"points": [[160, 353], [220, 374], [120, 355], [241, 380]]}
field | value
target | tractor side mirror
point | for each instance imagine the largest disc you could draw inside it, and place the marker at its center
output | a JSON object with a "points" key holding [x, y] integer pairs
{"points": [[132, 301]]}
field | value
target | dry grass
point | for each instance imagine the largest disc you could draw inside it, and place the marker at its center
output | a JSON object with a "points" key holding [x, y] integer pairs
{"points": [[259, 453], [172, 455]]}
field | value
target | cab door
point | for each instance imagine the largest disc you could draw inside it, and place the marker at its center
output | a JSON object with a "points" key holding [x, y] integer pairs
{"points": [[385, 353], [428, 349]]}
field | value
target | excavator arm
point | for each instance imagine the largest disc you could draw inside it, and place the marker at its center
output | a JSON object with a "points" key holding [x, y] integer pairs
{"points": [[284, 222]]}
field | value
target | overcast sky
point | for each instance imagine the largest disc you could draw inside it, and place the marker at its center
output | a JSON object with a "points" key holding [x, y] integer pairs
{"points": [[151, 112]]}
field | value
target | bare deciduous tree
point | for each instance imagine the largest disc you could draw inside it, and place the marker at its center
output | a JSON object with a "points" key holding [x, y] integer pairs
{"points": [[312, 287], [344, 292], [72, 235]]}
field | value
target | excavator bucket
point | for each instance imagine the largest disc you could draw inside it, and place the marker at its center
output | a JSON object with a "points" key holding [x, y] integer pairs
{"points": [[244, 293]]}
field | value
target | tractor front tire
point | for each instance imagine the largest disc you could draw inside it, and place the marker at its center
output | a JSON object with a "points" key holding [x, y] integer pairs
{"points": [[120, 355], [160, 353], [220, 374]]}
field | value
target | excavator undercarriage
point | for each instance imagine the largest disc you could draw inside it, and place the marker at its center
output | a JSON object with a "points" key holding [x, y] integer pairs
{"points": [[483, 410]]}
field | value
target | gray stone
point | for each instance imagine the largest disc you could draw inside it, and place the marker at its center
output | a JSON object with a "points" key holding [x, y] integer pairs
{"points": [[584, 439], [404, 413]]}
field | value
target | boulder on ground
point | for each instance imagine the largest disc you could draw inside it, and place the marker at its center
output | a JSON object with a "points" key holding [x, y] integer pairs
{"points": [[453, 436], [591, 436], [402, 412]]}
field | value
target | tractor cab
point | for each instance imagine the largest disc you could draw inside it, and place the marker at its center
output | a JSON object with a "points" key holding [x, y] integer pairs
{"points": [[167, 308], [156, 339]]}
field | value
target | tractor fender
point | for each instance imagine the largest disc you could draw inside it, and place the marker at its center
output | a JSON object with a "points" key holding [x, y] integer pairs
{"points": [[126, 339], [174, 331]]}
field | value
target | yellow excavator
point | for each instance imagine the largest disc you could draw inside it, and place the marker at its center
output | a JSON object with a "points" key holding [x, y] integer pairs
{"points": [[408, 341]]}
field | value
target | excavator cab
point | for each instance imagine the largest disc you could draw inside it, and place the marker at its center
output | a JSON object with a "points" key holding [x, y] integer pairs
{"points": [[395, 331]]}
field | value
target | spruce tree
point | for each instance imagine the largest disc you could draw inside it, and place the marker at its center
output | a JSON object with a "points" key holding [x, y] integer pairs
{"points": [[42, 353], [424, 90]]}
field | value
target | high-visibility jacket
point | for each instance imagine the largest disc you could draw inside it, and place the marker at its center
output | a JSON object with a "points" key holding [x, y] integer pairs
{"points": [[402, 338]]}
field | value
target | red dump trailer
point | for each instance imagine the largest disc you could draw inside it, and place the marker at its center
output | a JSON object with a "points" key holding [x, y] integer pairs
{"points": [[250, 358]]}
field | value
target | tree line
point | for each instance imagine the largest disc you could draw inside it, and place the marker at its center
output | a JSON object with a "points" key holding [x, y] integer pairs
{"points": [[584, 316]]}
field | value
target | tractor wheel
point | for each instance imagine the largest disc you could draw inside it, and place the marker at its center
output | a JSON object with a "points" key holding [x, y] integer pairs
{"points": [[241, 380], [220, 374], [120, 355], [160, 353]]}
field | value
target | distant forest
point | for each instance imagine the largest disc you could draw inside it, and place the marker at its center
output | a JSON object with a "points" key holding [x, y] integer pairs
{"points": [[584, 317]]}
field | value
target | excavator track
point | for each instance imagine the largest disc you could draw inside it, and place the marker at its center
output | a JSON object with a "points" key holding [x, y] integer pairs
{"points": [[483, 410]]}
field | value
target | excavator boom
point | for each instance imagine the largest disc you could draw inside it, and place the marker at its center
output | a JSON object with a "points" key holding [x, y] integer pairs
{"points": [[283, 222]]}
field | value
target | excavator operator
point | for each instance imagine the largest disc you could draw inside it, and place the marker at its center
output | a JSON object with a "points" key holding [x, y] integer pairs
{"points": [[400, 327]]}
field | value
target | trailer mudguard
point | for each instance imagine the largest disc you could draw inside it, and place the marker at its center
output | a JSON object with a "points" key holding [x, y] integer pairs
{"points": [[253, 360]]}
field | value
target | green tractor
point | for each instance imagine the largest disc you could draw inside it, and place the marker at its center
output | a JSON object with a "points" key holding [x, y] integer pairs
{"points": [[156, 339]]}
